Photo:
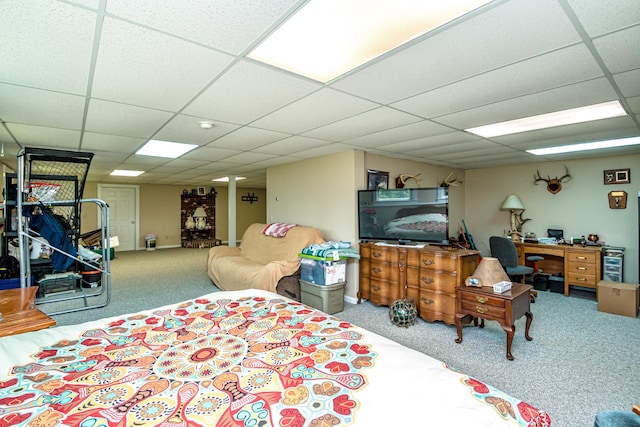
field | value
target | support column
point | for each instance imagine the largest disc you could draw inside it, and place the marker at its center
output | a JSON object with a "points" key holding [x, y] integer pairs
{"points": [[232, 210]]}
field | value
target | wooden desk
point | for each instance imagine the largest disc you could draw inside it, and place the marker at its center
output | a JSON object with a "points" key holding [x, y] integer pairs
{"points": [[19, 312], [580, 266], [505, 308]]}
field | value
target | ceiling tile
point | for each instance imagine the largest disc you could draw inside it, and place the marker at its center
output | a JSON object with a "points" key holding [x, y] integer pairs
{"points": [[629, 82], [247, 92], [24, 105], [53, 36], [599, 17], [113, 143], [571, 96], [163, 72], [363, 124], [290, 145], [210, 154], [318, 109], [432, 141], [230, 26], [186, 129], [610, 47], [247, 138], [247, 158], [124, 120], [408, 132], [555, 69], [506, 33], [47, 137]]}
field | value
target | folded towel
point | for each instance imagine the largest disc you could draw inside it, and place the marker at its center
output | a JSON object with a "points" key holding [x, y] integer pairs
{"points": [[331, 249], [277, 229]]}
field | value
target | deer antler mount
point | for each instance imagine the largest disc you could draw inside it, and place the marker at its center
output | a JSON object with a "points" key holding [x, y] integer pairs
{"points": [[452, 181], [554, 185]]}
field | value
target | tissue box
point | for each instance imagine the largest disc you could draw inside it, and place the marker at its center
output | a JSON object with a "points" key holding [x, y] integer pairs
{"points": [[501, 287]]}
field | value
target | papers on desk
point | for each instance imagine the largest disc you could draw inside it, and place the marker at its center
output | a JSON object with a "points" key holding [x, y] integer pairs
{"points": [[547, 240]]}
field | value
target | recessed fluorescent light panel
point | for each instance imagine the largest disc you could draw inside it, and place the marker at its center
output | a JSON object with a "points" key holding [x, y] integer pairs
{"points": [[597, 145], [327, 38], [226, 179], [589, 113], [119, 172], [170, 150]]}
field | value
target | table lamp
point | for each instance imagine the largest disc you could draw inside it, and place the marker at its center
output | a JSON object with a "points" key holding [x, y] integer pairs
{"points": [[513, 203], [488, 273], [200, 218]]}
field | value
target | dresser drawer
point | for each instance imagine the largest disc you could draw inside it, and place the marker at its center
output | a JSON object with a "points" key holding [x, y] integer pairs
{"points": [[586, 257], [434, 306], [441, 281], [384, 254], [581, 279], [581, 268], [382, 292], [438, 261], [382, 270]]}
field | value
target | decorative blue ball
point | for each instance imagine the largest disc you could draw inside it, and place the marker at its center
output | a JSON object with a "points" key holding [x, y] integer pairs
{"points": [[403, 312]]}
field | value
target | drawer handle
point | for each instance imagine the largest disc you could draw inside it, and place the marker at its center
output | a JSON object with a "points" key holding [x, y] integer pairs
{"points": [[582, 268], [481, 300], [582, 279], [376, 270], [481, 310], [427, 280], [375, 288], [377, 254], [428, 262], [581, 257], [427, 301]]}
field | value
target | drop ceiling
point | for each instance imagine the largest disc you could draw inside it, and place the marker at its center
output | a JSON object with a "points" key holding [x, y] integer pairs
{"points": [[108, 75]]}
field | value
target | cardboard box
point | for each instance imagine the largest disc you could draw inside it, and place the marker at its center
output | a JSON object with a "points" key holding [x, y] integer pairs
{"points": [[618, 298]]}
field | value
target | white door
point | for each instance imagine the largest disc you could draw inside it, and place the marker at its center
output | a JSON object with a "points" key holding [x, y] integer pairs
{"points": [[123, 213]]}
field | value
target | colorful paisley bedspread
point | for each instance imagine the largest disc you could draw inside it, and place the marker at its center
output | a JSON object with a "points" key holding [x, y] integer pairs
{"points": [[251, 362], [248, 362]]}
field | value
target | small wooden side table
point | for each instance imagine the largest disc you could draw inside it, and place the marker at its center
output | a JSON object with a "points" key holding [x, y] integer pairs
{"points": [[19, 312], [505, 308]]}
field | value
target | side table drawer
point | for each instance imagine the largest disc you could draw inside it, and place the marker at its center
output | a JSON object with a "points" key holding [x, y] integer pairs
{"points": [[483, 306]]}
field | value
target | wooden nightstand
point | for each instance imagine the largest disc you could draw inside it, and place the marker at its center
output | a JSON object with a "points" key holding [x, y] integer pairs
{"points": [[504, 308], [19, 313]]}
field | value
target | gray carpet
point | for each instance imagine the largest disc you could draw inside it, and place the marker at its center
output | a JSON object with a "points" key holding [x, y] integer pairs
{"points": [[580, 360]]}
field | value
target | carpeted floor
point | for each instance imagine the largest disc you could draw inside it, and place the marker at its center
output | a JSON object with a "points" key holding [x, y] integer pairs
{"points": [[580, 360]]}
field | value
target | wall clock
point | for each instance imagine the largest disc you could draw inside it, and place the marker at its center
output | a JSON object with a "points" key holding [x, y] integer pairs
{"points": [[617, 176]]}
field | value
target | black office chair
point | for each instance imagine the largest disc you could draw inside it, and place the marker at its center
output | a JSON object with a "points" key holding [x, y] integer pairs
{"points": [[505, 250]]}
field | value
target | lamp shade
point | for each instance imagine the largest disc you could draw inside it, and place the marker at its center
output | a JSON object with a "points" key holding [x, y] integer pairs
{"points": [[199, 213], [512, 202], [488, 272]]}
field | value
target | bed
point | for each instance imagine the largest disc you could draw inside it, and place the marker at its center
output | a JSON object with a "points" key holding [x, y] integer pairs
{"points": [[242, 358]]}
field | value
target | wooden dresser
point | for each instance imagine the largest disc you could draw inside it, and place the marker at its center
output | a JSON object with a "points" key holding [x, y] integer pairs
{"points": [[428, 275]]}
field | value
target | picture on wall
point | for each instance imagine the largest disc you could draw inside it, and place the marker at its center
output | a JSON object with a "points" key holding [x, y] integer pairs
{"points": [[377, 180], [617, 176]]}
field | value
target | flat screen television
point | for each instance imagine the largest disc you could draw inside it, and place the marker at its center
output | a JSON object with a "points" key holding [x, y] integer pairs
{"points": [[404, 215]]}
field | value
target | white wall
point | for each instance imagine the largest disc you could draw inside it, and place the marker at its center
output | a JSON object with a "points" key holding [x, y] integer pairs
{"points": [[580, 208], [320, 193]]}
